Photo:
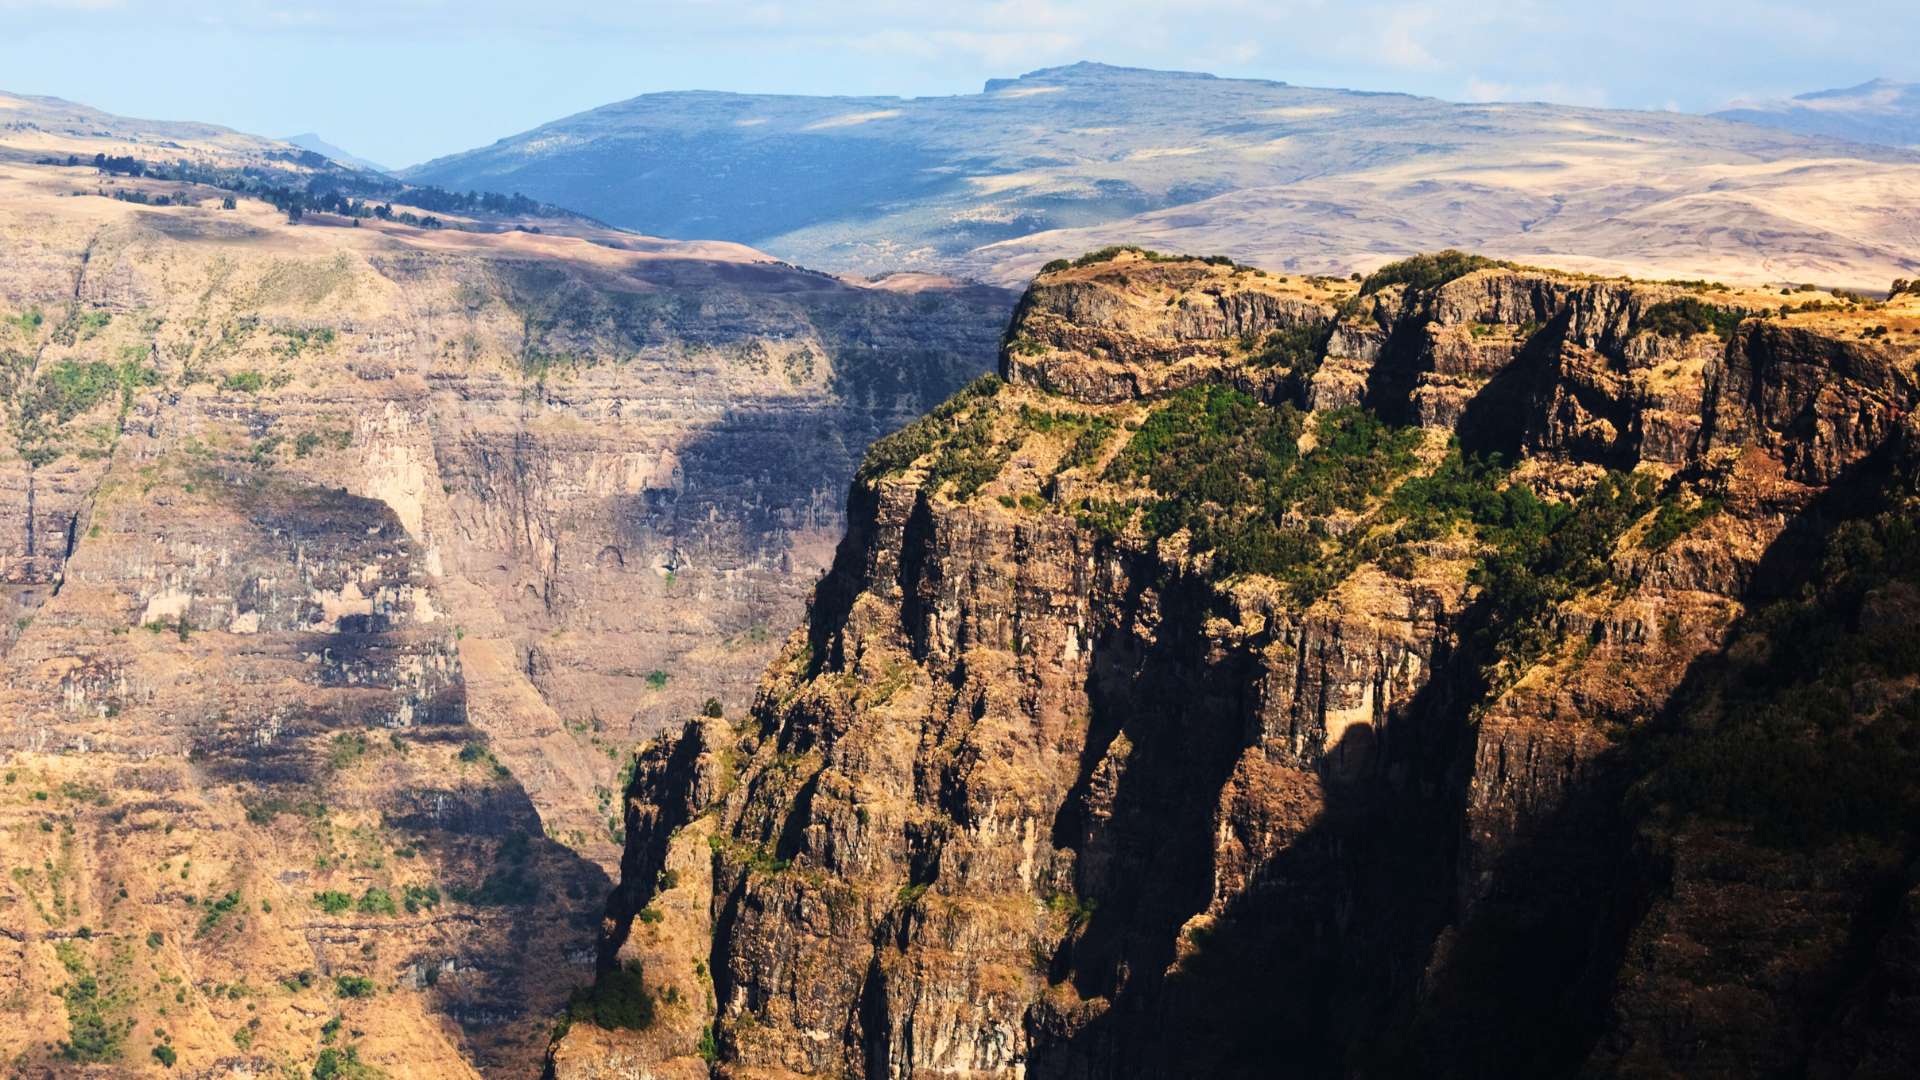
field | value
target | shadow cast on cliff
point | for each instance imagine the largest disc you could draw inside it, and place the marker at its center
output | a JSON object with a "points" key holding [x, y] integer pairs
{"points": [[1362, 945], [1523, 982]]}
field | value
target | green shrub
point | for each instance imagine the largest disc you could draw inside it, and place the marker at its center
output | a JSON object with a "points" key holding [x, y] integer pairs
{"points": [[377, 901], [332, 902], [244, 382], [1428, 271], [1673, 520], [1111, 252], [353, 986], [164, 1054], [709, 1048], [336, 1063], [216, 910], [1690, 315]]}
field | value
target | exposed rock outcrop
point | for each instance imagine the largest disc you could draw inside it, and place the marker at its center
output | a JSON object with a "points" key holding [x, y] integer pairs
{"points": [[1149, 725], [345, 562]]}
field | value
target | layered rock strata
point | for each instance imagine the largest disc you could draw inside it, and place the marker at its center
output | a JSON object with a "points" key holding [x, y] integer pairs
{"points": [[1466, 673]]}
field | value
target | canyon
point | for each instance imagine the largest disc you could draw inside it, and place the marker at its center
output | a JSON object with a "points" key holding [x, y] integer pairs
{"points": [[1471, 670], [345, 558], [446, 635]]}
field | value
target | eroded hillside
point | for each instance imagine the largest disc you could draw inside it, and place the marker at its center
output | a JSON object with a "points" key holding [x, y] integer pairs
{"points": [[1471, 671], [344, 562]]}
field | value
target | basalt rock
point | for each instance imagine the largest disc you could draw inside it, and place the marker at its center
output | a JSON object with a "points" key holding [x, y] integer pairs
{"points": [[344, 562], [1066, 776]]}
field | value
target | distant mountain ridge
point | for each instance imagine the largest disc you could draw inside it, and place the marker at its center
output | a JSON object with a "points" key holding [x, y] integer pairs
{"points": [[311, 141], [1068, 159], [1877, 111]]}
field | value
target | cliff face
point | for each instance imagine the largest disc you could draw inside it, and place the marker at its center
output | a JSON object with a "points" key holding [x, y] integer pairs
{"points": [[1488, 674], [345, 563]]}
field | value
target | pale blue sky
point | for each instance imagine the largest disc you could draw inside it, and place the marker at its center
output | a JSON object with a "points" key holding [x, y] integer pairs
{"points": [[400, 81]]}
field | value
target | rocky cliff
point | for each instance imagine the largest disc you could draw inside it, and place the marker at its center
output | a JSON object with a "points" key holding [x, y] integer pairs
{"points": [[344, 562], [1470, 671]]}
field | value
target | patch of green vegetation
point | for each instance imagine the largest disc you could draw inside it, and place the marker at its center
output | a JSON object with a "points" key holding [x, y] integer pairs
{"points": [[333, 902], [1549, 554], [1108, 254], [1429, 271], [657, 679], [343, 1063], [345, 750], [1227, 470], [376, 901], [1689, 315], [474, 753], [96, 1032], [898, 451], [709, 1047], [618, 999], [243, 382], [418, 898], [969, 457], [217, 910], [1088, 445], [27, 322], [1076, 910], [1296, 348], [297, 339], [1674, 519], [353, 986], [1809, 730]]}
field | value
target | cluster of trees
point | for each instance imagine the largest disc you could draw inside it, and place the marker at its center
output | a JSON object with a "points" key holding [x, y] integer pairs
{"points": [[353, 195]]}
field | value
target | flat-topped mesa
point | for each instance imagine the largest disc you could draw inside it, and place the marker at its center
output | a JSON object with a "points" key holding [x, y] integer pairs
{"points": [[1120, 325]]}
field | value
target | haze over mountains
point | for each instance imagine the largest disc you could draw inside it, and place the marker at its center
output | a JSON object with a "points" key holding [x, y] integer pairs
{"points": [[1069, 159], [312, 141], [1877, 111]]}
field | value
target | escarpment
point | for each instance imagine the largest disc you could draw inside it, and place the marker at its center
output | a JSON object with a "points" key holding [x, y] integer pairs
{"points": [[1472, 671], [346, 561]]}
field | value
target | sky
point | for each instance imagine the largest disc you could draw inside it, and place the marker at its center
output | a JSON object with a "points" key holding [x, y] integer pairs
{"points": [[402, 81]]}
